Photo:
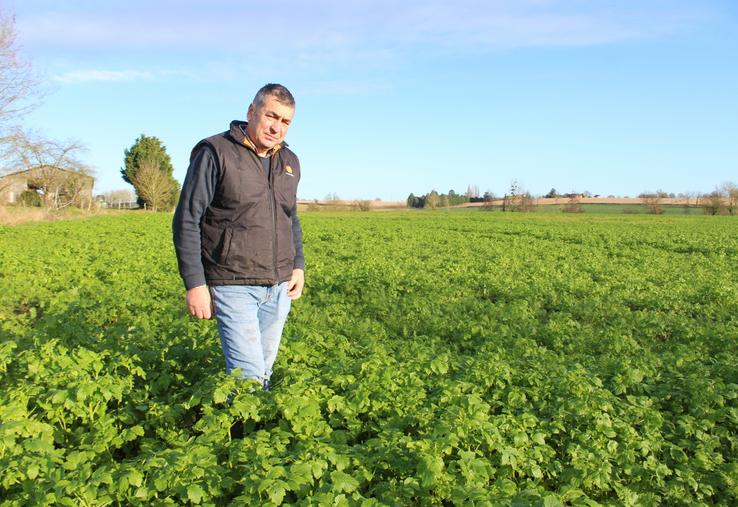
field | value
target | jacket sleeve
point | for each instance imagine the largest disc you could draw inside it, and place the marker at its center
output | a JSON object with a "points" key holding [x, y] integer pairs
{"points": [[197, 193], [299, 262]]}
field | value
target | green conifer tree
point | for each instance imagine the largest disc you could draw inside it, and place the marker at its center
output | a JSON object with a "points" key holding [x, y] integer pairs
{"points": [[148, 152]]}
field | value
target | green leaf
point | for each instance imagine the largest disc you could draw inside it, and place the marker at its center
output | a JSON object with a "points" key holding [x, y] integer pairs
{"points": [[160, 483], [135, 478], [276, 492], [318, 467], [343, 482], [32, 471], [536, 471], [429, 470], [195, 493], [221, 394]]}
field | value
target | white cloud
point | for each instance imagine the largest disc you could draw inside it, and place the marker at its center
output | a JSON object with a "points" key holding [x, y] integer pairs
{"points": [[344, 88], [83, 76], [338, 28], [234, 41]]}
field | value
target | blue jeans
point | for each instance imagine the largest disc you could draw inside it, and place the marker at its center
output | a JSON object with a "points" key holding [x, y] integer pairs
{"points": [[250, 322]]}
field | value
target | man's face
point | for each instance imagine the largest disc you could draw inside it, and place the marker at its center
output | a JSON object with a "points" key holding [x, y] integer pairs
{"points": [[268, 124]]}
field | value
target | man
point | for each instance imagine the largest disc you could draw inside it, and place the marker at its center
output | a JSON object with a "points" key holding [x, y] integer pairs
{"points": [[237, 236]]}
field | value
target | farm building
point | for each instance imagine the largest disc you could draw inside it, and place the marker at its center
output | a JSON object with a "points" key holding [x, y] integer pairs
{"points": [[54, 186]]}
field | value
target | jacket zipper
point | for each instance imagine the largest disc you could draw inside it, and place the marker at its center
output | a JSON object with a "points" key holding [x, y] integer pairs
{"points": [[272, 205]]}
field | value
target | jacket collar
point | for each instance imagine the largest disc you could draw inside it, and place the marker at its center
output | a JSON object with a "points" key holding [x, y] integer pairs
{"points": [[238, 133]]}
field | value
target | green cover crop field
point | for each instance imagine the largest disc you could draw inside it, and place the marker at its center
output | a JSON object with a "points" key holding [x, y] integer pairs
{"points": [[435, 358]]}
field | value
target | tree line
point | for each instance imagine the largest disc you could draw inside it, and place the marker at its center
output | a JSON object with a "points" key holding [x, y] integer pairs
{"points": [[434, 200], [722, 200]]}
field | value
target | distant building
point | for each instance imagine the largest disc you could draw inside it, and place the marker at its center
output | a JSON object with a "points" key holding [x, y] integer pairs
{"points": [[101, 202], [53, 184]]}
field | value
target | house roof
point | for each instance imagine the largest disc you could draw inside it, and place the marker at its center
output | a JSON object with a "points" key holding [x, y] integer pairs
{"points": [[16, 173]]}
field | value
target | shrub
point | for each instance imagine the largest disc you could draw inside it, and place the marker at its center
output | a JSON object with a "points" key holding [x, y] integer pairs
{"points": [[30, 198]]}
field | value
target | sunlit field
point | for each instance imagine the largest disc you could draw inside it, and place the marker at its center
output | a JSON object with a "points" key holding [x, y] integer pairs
{"points": [[435, 358]]}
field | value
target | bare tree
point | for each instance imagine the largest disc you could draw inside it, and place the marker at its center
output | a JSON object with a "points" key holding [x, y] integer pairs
{"points": [[573, 205], [730, 192], [712, 203], [687, 196], [525, 202], [518, 199], [489, 198], [152, 184], [19, 86], [75, 189], [16, 83], [362, 205], [432, 200], [57, 175], [652, 201], [472, 191]]}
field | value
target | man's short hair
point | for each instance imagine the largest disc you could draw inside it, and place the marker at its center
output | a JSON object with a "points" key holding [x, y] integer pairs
{"points": [[277, 91]]}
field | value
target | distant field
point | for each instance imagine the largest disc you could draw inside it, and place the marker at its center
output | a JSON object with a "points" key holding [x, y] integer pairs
{"points": [[666, 209], [591, 208], [608, 205], [621, 205], [461, 358], [633, 201]]}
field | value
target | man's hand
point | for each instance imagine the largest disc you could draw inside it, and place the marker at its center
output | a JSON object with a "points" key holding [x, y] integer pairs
{"points": [[199, 303], [296, 283]]}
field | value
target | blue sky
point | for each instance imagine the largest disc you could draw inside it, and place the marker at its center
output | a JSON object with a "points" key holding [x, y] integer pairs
{"points": [[612, 97]]}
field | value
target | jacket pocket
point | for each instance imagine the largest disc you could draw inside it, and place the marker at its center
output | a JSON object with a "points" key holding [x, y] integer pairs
{"points": [[215, 243], [226, 246], [249, 252], [285, 192]]}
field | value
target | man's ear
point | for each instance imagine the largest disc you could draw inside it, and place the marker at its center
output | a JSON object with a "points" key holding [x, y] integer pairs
{"points": [[250, 112]]}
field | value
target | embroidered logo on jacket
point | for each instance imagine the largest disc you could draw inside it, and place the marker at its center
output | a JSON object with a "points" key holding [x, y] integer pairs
{"points": [[288, 170]]}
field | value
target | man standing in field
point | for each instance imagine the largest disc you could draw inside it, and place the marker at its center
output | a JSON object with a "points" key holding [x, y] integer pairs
{"points": [[237, 235]]}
